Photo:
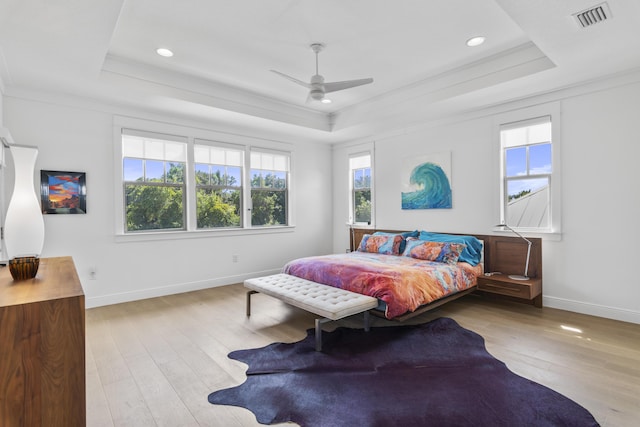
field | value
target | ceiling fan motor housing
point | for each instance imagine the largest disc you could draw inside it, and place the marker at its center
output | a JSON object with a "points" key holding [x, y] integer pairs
{"points": [[317, 94], [317, 87]]}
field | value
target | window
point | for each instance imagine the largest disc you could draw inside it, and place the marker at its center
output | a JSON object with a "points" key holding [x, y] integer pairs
{"points": [[269, 185], [527, 171], [182, 180], [218, 176], [360, 183], [154, 182]]}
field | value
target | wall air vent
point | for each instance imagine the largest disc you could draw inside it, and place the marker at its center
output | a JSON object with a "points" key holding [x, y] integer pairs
{"points": [[593, 15]]}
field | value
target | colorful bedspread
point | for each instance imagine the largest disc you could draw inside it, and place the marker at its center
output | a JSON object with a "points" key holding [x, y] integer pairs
{"points": [[403, 283]]}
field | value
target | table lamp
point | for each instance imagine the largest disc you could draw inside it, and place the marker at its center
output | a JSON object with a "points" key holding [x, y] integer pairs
{"points": [[24, 225], [526, 266]]}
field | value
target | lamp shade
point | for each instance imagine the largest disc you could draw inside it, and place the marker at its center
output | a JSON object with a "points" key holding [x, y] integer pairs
{"points": [[24, 225]]}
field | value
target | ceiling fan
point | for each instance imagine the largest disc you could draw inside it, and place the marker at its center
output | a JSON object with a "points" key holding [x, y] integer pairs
{"points": [[317, 87]]}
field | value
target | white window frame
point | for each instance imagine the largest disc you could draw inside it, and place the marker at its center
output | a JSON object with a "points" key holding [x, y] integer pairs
{"points": [[352, 190], [242, 188], [147, 140], [193, 136], [279, 168], [351, 203], [522, 117]]}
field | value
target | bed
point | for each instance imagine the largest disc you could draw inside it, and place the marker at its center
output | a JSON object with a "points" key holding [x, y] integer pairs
{"points": [[403, 270], [409, 272]]}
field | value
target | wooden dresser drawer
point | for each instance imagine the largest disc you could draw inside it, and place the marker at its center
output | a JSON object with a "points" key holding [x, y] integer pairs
{"points": [[499, 284]]}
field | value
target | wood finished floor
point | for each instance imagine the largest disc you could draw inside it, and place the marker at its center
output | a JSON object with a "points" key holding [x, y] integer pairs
{"points": [[153, 362]]}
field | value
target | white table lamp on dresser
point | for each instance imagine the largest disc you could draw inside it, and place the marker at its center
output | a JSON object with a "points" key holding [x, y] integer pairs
{"points": [[24, 225]]}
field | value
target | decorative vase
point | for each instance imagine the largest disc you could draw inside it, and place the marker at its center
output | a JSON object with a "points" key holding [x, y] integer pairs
{"points": [[23, 268], [24, 225]]}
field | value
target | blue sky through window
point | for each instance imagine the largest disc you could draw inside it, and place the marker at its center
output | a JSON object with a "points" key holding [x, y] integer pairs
{"points": [[540, 159], [516, 166], [132, 169], [154, 170]]}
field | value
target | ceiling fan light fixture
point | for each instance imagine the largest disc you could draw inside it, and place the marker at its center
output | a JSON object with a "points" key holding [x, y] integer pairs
{"points": [[326, 101], [475, 41], [163, 51]]}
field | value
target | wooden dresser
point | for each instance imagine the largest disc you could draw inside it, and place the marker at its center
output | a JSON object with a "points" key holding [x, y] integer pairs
{"points": [[42, 347]]}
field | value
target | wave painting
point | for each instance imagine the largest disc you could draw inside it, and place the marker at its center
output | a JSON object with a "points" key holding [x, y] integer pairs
{"points": [[430, 188]]}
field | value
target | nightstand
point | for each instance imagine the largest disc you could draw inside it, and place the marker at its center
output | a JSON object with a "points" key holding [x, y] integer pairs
{"points": [[529, 291]]}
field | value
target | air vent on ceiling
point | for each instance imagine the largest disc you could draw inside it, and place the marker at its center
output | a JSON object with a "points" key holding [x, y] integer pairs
{"points": [[593, 15]]}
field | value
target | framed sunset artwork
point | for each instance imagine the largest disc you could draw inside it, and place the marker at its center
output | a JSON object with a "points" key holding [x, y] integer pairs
{"points": [[63, 192]]}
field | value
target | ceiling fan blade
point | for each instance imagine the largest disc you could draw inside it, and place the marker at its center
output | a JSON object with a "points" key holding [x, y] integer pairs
{"points": [[293, 79], [336, 86]]}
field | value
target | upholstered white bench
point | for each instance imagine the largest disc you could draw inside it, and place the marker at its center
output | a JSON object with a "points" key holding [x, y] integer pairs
{"points": [[326, 301]]}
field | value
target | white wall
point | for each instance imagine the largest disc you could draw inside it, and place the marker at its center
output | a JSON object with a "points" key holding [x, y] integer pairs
{"points": [[591, 268], [78, 136]]}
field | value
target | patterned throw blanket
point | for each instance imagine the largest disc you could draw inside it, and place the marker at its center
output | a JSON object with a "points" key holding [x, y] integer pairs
{"points": [[403, 283]]}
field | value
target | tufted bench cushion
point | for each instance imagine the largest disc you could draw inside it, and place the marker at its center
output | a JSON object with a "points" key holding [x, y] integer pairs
{"points": [[326, 301], [323, 300]]}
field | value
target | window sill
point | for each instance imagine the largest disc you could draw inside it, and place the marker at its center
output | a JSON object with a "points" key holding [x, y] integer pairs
{"points": [[362, 225], [199, 234]]}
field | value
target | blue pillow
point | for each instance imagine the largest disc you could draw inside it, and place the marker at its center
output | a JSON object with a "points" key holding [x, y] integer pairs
{"points": [[471, 254]]}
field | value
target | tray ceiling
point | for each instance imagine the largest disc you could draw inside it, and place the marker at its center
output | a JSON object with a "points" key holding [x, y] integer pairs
{"points": [[415, 51]]}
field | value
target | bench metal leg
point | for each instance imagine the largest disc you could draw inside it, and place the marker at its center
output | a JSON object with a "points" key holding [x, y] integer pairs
{"points": [[319, 323], [249, 293]]}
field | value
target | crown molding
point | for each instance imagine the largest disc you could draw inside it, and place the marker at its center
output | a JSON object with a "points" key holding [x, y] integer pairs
{"points": [[167, 85], [421, 96]]}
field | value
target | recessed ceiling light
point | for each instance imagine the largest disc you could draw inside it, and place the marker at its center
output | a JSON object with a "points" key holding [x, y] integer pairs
{"points": [[475, 41], [164, 52], [326, 101]]}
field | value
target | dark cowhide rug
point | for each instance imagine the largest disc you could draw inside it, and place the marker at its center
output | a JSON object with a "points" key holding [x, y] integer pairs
{"points": [[435, 374]]}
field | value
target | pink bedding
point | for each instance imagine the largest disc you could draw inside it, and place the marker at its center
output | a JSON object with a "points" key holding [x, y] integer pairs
{"points": [[403, 283]]}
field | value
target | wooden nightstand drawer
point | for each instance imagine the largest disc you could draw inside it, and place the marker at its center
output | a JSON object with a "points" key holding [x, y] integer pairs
{"points": [[499, 284]]}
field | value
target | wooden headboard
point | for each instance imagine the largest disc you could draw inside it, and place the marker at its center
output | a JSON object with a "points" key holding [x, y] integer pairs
{"points": [[506, 254]]}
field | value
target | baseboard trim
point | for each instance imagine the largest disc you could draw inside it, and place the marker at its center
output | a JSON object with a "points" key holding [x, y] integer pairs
{"points": [[99, 301], [592, 309]]}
